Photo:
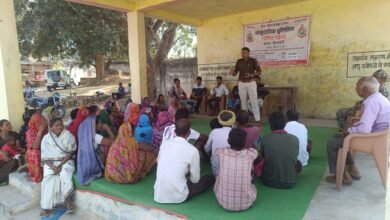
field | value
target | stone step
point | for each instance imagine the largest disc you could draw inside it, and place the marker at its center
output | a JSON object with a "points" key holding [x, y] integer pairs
{"points": [[108, 208], [20, 195], [12, 201], [21, 181], [33, 214]]}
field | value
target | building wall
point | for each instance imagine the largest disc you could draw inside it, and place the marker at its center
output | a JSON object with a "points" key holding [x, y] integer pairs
{"points": [[337, 27], [183, 69]]}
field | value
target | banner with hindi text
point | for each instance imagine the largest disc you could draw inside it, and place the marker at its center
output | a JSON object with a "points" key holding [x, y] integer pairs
{"points": [[279, 43]]}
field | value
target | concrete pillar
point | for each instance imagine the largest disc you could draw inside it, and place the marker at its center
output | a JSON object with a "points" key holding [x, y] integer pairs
{"points": [[137, 55], [11, 85]]}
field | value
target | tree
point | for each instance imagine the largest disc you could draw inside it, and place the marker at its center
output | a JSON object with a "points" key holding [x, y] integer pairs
{"points": [[160, 37], [62, 30], [59, 30]]}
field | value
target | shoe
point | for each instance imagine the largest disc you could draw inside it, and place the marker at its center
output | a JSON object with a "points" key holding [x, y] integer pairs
{"points": [[4, 183], [22, 169], [354, 172]]}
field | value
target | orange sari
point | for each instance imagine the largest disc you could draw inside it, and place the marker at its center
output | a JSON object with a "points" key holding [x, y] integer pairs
{"points": [[125, 162], [33, 156]]}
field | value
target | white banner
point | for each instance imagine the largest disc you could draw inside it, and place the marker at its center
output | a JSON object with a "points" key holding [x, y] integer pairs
{"points": [[209, 72], [366, 63], [279, 43]]}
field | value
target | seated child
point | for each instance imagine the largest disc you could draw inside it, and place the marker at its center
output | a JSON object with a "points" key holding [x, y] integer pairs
{"points": [[12, 149], [235, 166]]}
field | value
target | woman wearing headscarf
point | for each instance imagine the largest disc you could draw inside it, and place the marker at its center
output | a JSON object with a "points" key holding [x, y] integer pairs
{"points": [[144, 130], [134, 113], [37, 128], [58, 147], [81, 115], [89, 164], [172, 107], [105, 117], [128, 161], [163, 120], [116, 117]]}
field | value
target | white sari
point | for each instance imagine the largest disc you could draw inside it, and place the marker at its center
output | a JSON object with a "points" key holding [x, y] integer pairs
{"points": [[57, 187]]}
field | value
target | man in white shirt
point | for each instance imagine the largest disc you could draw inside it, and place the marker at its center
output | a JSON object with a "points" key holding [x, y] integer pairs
{"points": [[176, 160], [170, 132], [216, 95], [298, 130], [218, 137]]}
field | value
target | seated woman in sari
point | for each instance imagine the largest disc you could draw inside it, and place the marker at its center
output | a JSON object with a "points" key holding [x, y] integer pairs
{"points": [[105, 119], [37, 128], [58, 146], [128, 161], [163, 120], [160, 104], [116, 117], [133, 115], [81, 115], [148, 108], [89, 164], [144, 130], [173, 107]]}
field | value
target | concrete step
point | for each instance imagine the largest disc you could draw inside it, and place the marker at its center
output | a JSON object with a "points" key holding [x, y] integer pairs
{"points": [[12, 201], [108, 208], [19, 195], [33, 214]]}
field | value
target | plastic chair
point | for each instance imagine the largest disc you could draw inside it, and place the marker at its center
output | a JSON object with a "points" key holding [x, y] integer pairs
{"points": [[375, 144]]}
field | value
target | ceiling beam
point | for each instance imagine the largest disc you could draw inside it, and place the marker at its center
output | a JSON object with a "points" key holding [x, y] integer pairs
{"points": [[173, 17], [148, 5], [117, 5]]}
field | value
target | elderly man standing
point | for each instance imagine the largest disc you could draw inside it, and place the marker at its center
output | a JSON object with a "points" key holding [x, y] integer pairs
{"points": [[249, 71], [375, 118]]}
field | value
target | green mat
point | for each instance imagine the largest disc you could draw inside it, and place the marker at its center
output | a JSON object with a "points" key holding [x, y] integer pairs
{"points": [[270, 204]]}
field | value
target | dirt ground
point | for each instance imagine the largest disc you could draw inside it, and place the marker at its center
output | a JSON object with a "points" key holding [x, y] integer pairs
{"points": [[107, 86]]}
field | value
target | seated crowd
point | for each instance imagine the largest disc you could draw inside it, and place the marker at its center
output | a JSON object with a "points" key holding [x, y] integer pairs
{"points": [[124, 140]]}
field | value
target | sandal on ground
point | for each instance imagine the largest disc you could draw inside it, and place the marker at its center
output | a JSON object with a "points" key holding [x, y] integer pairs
{"points": [[69, 209], [44, 213]]}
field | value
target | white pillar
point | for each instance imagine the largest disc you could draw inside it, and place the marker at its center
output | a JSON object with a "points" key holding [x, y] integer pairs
{"points": [[11, 85], [137, 55]]}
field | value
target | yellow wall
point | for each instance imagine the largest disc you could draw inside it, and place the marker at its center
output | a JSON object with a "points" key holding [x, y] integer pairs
{"points": [[337, 27]]}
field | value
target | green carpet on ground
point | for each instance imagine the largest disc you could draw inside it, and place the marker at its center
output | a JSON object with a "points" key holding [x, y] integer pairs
{"points": [[271, 203]]}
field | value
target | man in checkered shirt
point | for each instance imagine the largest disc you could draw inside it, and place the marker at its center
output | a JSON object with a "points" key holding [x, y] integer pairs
{"points": [[234, 187]]}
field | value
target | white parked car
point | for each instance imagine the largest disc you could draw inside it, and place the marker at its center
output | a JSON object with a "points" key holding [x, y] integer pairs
{"points": [[57, 79]]}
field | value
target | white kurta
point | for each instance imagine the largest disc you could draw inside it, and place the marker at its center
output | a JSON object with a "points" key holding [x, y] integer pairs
{"points": [[56, 188]]}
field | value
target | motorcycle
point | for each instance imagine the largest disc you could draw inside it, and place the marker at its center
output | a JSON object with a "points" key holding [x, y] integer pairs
{"points": [[41, 103]]}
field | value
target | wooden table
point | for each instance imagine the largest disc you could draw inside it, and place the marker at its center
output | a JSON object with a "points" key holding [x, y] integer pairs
{"points": [[287, 97]]}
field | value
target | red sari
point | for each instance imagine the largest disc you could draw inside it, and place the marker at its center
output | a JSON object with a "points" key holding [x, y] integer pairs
{"points": [[33, 156]]}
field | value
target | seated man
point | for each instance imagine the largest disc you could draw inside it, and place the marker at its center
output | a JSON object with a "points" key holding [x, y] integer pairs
{"points": [[219, 136], [121, 92], [176, 161], [343, 114], [375, 118], [298, 130], [280, 152], [198, 92], [235, 166], [180, 95], [253, 132], [216, 96], [170, 132], [233, 102]]}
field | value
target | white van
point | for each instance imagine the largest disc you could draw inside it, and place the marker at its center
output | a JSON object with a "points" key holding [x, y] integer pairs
{"points": [[57, 79]]}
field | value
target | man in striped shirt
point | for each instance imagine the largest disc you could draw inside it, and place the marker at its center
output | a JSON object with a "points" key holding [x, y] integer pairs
{"points": [[234, 188]]}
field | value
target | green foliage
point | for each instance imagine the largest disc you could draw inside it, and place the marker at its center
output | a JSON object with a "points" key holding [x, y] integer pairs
{"points": [[56, 29]]}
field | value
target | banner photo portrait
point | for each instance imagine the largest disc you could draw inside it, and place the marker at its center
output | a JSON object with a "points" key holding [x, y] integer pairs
{"points": [[279, 43]]}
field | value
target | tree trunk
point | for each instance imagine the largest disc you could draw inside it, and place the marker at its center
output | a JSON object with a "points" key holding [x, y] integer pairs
{"points": [[154, 64], [99, 67]]}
